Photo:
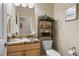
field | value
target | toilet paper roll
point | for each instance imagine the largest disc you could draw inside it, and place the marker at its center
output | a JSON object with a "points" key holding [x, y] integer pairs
{"points": [[71, 52]]}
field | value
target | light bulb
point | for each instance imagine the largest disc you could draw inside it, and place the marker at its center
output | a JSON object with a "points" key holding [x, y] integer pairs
{"points": [[31, 5], [24, 5], [33, 32], [17, 4]]}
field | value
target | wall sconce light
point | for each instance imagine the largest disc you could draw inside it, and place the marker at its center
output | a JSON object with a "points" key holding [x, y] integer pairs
{"points": [[29, 5]]}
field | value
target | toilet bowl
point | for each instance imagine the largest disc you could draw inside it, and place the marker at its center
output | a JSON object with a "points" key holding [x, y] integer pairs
{"points": [[52, 53], [47, 45]]}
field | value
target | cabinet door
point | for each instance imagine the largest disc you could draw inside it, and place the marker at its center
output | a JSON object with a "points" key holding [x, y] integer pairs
{"points": [[35, 52], [16, 54]]}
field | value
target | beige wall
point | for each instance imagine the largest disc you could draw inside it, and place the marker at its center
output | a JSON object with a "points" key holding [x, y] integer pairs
{"points": [[68, 32], [42, 9]]}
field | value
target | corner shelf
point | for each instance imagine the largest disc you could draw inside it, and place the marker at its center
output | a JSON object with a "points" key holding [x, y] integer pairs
{"points": [[45, 27]]}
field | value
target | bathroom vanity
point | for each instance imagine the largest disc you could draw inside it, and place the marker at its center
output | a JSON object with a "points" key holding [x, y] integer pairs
{"points": [[24, 49], [22, 27]]}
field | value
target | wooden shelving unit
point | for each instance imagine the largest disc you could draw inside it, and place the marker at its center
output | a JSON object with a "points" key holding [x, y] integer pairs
{"points": [[46, 29]]}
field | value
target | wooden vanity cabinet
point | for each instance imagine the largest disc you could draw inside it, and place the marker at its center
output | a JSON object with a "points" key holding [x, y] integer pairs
{"points": [[34, 52], [16, 54], [30, 49]]}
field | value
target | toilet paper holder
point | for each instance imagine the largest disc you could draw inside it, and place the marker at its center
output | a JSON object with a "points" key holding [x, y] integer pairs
{"points": [[74, 51]]}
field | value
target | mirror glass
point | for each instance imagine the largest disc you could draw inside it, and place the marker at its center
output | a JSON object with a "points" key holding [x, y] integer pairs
{"points": [[25, 19]]}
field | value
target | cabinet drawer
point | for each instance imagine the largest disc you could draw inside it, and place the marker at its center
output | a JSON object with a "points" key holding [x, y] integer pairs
{"points": [[35, 52], [16, 54], [32, 46], [15, 48]]}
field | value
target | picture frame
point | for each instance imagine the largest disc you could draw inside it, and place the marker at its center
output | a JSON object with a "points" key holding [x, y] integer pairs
{"points": [[71, 13]]}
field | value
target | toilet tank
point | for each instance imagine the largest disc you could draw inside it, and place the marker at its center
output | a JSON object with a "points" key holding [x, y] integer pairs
{"points": [[47, 44]]}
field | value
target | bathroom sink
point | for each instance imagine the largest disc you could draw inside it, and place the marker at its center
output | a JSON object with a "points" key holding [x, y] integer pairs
{"points": [[20, 40], [23, 40], [13, 41]]}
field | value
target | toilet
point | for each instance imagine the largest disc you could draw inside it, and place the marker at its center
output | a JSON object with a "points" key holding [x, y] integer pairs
{"points": [[47, 46]]}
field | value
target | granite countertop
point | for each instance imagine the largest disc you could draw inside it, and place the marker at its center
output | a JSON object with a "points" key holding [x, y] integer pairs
{"points": [[16, 42]]}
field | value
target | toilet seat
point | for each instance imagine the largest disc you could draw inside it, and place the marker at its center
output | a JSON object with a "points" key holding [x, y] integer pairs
{"points": [[52, 53]]}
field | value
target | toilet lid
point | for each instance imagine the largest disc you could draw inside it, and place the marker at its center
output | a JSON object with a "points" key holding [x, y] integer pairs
{"points": [[52, 53]]}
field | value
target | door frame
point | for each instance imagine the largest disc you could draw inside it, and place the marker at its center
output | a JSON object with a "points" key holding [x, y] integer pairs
{"points": [[4, 18]]}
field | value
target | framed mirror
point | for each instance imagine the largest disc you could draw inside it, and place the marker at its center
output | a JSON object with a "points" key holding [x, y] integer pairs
{"points": [[25, 19]]}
